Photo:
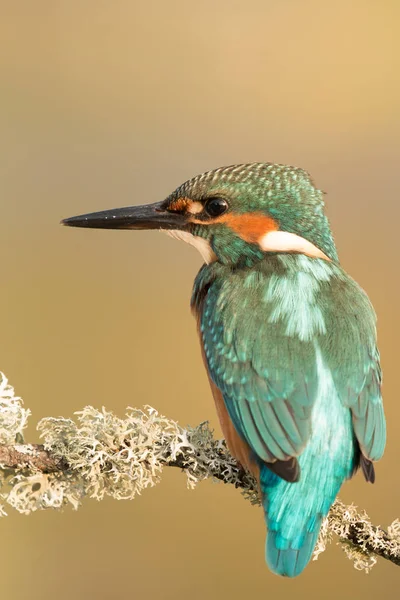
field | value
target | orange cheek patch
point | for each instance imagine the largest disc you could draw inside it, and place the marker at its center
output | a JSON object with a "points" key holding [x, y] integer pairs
{"points": [[249, 226]]}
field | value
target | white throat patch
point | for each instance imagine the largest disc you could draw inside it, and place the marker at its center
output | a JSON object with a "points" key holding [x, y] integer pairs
{"points": [[202, 245]]}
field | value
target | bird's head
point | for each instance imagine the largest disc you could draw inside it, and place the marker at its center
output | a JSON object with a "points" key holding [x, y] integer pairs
{"points": [[235, 214]]}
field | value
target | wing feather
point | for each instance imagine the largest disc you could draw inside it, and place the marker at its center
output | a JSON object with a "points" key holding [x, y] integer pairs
{"points": [[265, 391]]}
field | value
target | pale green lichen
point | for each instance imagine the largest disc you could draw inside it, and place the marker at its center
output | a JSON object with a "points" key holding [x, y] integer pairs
{"points": [[112, 456], [122, 457], [30, 493], [13, 420], [394, 531], [210, 458], [342, 519], [13, 417]]}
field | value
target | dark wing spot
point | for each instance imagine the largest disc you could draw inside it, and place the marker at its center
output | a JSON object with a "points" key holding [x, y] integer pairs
{"points": [[367, 469], [289, 470]]}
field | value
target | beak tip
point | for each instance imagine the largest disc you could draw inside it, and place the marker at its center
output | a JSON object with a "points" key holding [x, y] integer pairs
{"points": [[81, 221]]}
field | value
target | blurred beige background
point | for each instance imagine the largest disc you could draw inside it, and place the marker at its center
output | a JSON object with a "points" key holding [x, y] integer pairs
{"points": [[111, 103]]}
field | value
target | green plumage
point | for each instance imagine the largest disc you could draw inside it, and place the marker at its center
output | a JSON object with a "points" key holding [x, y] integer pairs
{"points": [[291, 344]]}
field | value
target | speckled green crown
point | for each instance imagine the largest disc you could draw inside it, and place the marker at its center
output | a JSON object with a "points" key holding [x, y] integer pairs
{"points": [[284, 192]]}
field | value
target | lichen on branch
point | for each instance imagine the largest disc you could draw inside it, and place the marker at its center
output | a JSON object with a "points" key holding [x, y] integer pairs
{"points": [[100, 454]]}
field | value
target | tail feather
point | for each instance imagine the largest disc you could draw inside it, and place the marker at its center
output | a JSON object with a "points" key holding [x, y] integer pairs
{"points": [[293, 516], [288, 558], [294, 510]]}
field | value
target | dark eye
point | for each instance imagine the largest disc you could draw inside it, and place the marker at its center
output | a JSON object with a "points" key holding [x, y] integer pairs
{"points": [[215, 206]]}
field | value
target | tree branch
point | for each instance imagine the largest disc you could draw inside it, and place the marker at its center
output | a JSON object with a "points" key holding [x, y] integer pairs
{"points": [[100, 454], [353, 529]]}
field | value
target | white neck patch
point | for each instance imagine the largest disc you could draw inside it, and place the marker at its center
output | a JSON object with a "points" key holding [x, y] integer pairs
{"points": [[202, 245], [283, 241]]}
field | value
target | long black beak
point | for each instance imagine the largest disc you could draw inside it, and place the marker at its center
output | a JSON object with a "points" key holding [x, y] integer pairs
{"points": [[148, 216]]}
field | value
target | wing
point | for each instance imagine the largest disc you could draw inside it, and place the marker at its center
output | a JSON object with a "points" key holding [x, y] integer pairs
{"points": [[267, 377], [352, 354], [356, 368], [367, 410]]}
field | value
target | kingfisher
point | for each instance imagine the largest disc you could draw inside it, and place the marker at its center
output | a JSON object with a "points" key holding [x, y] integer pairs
{"points": [[288, 339]]}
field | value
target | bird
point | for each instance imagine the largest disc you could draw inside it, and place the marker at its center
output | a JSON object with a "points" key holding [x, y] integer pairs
{"points": [[288, 339]]}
